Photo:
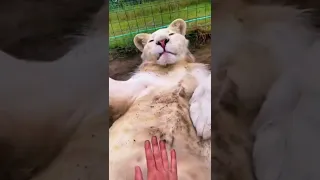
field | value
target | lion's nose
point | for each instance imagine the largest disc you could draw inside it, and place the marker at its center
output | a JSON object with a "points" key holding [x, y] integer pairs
{"points": [[163, 42]]}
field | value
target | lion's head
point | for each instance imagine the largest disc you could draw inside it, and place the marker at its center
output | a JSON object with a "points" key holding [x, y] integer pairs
{"points": [[165, 46]]}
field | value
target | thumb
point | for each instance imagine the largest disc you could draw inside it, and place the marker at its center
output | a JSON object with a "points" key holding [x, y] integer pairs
{"points": [[138, 173]]}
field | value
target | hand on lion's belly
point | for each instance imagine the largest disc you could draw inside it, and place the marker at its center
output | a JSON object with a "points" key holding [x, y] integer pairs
{"points": [[158, 164]]}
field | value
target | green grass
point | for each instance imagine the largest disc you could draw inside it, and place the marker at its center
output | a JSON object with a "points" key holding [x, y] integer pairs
{"points": [[126, 22]]}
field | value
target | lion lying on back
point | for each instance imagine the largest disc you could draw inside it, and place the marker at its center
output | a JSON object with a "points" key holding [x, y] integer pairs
{"points": [[155, 101]]}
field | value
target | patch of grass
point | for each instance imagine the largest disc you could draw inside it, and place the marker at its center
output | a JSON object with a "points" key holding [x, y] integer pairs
{"points": [[126, 22]]}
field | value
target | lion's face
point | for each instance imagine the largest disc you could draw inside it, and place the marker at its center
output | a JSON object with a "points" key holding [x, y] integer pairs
{"points": [[165, 46]]}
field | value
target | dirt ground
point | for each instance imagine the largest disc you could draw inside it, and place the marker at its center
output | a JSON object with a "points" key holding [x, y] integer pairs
{"points": [[121, 68]]}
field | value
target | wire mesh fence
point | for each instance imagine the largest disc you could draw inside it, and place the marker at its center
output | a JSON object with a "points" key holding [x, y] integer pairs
{"points": [[130, 17]]}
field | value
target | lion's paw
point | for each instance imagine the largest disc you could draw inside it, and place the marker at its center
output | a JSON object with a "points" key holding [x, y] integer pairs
{"points": [[200, 108]]}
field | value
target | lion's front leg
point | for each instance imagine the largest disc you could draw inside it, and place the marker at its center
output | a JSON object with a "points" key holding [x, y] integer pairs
{"points": [[200, 108], [123, 93]]}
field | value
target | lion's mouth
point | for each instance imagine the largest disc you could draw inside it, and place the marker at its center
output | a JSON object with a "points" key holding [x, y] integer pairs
{"points": [[166, 52]]}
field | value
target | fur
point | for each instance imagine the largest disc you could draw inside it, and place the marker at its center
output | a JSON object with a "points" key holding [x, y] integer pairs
{"points": [[232, 142], [42, 106], [270, 53], [176, 47], [50, 27]]}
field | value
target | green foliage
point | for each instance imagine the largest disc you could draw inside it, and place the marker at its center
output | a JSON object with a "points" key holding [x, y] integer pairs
{"points": [[130, 17]]}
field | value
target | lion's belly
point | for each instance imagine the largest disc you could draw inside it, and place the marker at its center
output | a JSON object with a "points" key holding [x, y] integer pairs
{"points": [[146, 118], [126, 144], [130, 131]]}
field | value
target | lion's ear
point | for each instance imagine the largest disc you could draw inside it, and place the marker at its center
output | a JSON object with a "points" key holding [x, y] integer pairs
{"points": [[179, 26], [140, 40]]}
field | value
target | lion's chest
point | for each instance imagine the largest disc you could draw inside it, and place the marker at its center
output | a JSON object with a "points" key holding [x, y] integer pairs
{"points": [[160, 81]]}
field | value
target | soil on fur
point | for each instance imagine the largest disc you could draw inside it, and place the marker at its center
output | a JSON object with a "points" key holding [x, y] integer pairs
{"points": [[121, 68]]}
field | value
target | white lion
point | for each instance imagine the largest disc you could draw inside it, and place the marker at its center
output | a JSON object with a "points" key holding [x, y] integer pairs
{"points": [[155, 101]]}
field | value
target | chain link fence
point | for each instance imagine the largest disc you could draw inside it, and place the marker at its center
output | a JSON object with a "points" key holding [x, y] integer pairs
{"points": [[130, 17]]}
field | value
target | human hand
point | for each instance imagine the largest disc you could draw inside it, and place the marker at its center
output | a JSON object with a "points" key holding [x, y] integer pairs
{"points": [[157, 162]]}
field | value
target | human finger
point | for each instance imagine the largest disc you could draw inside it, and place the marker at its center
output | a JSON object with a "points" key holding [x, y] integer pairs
{"points": [[149, 156], [156, 153], [173, 162], [138, 173], [164, 155]]}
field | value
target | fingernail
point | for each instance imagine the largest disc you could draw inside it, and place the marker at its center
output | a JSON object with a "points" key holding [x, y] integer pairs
{"points": [[162, 144], [147, 144], [154, 138]]}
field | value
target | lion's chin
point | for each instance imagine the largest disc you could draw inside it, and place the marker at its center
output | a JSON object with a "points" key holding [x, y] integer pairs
{"points": [[166, 59]]}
